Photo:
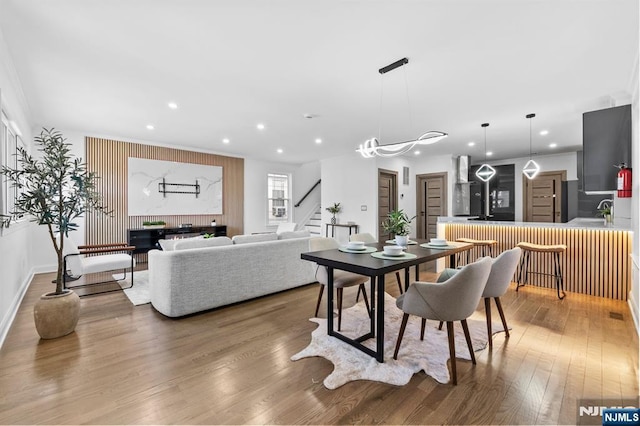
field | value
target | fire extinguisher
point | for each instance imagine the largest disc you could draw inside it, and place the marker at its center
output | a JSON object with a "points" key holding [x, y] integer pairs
{"points": [[624, 181]]}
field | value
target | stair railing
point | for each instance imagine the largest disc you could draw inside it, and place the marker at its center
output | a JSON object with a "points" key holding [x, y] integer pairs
{"points": [[307, 194]]}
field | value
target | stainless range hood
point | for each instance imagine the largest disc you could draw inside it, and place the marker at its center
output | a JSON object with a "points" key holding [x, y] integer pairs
{"points": [[461, 189], [462, 169]]}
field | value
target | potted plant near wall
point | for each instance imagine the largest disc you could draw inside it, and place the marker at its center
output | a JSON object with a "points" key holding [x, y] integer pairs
{"points": [[335, 209], [53, 191], [605, 212], [398, 223]]}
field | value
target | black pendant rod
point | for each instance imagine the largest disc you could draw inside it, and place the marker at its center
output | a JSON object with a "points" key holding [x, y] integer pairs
{"points": [[393, 66]]}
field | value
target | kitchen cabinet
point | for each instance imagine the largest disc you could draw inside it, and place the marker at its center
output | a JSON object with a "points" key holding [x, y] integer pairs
{"points": [[606, 140], [501, 193]]}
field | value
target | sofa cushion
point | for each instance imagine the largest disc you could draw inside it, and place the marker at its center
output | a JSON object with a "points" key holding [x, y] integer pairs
{"points": [[191, 243], [256, 238], [168, 245], [294, 234]]}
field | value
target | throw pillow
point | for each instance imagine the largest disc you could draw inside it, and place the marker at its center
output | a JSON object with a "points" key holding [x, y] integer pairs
{"points": [[294, 234], [168, 245], [256, 238], [191, 243]]}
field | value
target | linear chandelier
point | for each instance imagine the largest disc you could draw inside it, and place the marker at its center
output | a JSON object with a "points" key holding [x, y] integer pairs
{"points": [[372, 148]]}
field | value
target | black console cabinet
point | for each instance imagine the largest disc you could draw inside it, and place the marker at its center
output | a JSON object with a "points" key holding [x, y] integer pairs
{"points": [[147, 239]]}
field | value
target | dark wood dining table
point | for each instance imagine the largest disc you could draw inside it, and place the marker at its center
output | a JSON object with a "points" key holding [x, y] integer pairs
{"points": [[365, 264]]}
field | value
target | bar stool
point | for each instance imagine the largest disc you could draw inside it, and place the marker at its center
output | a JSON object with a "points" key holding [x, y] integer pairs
{"points": [[555, 250], [481, 245]]}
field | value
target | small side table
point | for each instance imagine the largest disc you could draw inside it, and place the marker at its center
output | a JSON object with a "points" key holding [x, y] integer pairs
{"points": [[340, 225]]}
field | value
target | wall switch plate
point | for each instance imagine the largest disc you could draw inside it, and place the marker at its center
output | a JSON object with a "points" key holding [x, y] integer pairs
{"points": [[363, 208]]}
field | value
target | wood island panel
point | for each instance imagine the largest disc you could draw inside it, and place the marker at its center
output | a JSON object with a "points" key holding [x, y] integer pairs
{"points": [[597, 262]]}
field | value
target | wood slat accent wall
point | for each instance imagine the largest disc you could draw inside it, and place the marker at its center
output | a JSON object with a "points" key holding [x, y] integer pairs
{"points": [[109, 159], [597, 262]]}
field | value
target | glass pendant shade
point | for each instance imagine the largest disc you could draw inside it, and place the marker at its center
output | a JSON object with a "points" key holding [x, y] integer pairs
{"points": [[531, 169], [485, 173]]}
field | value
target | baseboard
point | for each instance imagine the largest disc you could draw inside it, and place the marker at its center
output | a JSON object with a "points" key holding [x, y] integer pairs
{"points": [[5, 325]]}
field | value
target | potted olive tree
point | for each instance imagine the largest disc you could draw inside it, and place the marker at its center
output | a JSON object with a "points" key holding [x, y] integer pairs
{"points": [[398, 223], [53, 191]]}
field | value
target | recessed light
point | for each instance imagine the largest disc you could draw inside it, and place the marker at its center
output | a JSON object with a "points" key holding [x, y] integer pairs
{"points": [[544, 132], [489, 154], [318, 140], [553, 145], [172, 105], [260, 126], [225, 140], [472, 143], [150, 126], [416, 153], [279, 150]]}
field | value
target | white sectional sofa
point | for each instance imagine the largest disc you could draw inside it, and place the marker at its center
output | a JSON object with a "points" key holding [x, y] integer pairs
{"points": [[186, 280]]}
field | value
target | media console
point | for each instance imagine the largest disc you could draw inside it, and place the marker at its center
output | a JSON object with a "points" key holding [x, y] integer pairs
{"points": [[147, 239]]}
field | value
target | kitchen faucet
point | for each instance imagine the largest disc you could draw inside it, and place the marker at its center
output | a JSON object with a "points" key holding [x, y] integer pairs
{"points": [[608, 201]]}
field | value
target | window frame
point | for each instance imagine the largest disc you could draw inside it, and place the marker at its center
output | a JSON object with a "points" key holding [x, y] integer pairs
{"points": [[280, 202], [10, 140]]}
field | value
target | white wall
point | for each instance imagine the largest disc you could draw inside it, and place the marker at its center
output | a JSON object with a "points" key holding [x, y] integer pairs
{"points": [[351, 181], [304, 178], [255, 192], [418, 165], [15, 261], [548, 163], [634, 294]]}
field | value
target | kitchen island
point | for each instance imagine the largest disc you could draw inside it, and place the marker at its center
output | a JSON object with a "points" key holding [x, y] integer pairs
{"points": [[597, 261]]}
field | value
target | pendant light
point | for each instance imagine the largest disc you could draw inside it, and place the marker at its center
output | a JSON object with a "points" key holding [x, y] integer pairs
{"points": [[485, 172], [372, 147], [532, 168]]}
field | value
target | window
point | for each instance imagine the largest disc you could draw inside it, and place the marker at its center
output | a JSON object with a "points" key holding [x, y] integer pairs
{"points": [[277, 198], [9, 143]]}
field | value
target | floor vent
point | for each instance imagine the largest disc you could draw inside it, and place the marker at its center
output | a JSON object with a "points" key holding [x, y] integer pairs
{"points": [[616, 315]]}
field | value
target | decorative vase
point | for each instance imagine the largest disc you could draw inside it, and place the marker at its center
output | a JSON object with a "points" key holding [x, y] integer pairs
{"points": [[56, 315], [607, 218], [402, 240], [333, 220]]}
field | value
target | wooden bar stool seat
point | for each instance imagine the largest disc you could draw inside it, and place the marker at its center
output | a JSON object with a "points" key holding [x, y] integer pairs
{"points": [[555, 250], [485, 246]]}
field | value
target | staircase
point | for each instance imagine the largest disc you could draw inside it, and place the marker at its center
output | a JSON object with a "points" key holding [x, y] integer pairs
{"points": [[314, 223]]}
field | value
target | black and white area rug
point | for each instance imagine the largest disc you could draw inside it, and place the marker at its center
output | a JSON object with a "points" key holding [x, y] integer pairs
{"points": [[430, 355]]}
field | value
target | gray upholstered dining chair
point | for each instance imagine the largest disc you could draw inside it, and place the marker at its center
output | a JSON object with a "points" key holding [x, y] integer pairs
{"points": [[341, 279], [502, 269], [367, 238], [452, 300]]}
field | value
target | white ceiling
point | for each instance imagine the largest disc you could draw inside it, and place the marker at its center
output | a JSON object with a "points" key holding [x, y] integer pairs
{"points": [[111, 67]]}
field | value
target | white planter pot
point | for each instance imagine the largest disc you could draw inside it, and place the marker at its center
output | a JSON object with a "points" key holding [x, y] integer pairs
{"points": [[402, 240]]}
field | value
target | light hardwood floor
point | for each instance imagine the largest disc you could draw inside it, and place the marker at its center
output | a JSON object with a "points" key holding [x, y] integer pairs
{"points": [[131, 365]]}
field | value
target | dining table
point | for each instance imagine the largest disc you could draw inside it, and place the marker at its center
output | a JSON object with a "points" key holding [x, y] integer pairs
{"points": [[375, 265]]}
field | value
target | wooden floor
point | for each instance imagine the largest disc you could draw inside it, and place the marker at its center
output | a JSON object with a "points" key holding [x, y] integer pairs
{"points": [[131, 365]]}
